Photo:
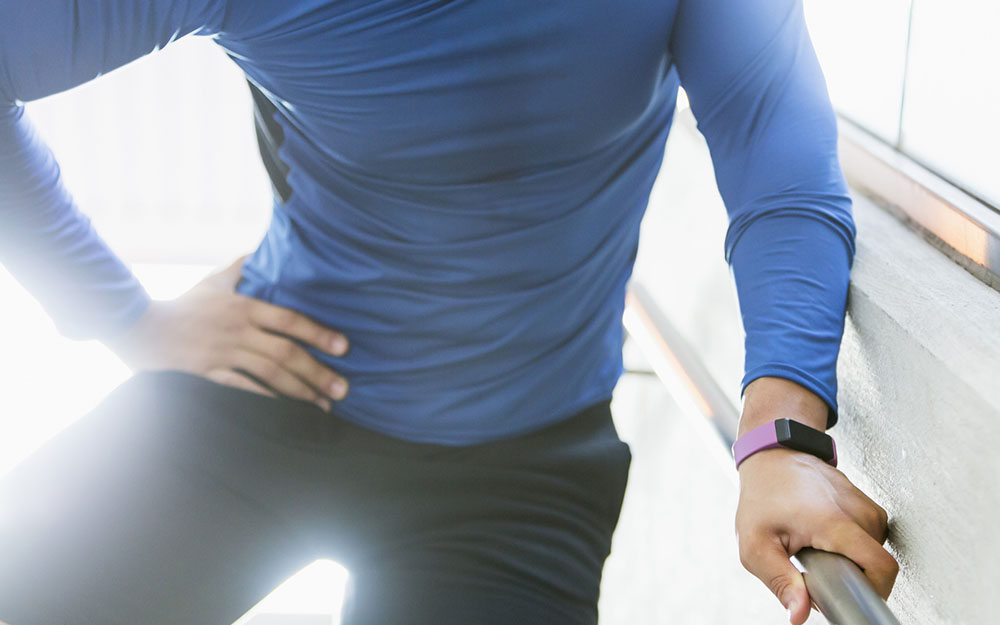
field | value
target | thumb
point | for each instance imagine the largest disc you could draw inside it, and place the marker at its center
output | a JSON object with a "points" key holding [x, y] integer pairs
{"points": [[229, 277], [772, 566]]}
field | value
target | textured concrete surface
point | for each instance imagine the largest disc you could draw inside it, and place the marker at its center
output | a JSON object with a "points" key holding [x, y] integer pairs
{"points": [[920, 390]]}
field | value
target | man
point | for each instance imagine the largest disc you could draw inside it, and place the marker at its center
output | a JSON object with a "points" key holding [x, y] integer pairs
{"points": [[412, 374]]}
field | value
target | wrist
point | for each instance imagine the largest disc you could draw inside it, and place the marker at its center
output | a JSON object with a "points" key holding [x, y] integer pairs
{"points": [[785, 434], [778, 459], [767, 399], [128, 343]]}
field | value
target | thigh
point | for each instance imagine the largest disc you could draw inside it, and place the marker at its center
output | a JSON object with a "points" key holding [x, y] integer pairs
{"points": [[429, 597], [150, 510], [510, 532]]}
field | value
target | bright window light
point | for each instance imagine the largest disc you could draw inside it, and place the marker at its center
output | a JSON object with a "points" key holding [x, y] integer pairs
{"points": [[862, 48], [51, 381], [162, 155], [313, 596]]}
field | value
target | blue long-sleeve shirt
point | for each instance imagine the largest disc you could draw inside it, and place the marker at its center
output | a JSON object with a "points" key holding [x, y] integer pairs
{"points": [[459, 185]]}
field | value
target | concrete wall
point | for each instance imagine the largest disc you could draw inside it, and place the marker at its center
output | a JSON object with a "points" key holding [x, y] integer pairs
{"points": [[919, 379], [920, 389]]}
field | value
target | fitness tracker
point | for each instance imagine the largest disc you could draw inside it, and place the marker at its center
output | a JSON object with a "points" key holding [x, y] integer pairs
{"points": [[789, 434]]}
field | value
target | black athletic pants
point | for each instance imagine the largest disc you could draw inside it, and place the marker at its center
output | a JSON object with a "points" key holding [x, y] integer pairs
{"points": [[179, 501]]}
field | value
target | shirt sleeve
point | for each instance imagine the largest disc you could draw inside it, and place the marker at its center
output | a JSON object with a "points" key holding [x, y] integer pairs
{"points": [[47, 46], [759, 96]]}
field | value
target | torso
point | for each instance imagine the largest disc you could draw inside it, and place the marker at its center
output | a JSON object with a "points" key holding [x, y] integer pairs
{"points": [[465, 182]]}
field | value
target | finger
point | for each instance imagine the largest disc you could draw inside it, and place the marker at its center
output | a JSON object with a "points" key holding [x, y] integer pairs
{"points": [[277, 377], [231, 378], [851, 540], [297, 360], [768, 560], [869, 515], [290, 323]]}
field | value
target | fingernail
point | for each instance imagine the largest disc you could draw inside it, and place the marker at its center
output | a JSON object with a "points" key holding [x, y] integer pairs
{"points": [[323, 405], [338, 389], [338, 346], [793, 607]]}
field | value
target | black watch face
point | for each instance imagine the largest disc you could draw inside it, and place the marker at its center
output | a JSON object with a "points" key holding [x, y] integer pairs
{"points": [[801, 437]]}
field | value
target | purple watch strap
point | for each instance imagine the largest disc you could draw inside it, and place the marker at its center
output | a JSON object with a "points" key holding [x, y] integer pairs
{"points": [[758, 439], [766, 437]]}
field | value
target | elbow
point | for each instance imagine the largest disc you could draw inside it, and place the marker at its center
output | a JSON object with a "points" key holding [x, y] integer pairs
{"points": [[804, 213], [10, 108], [797, 180]]}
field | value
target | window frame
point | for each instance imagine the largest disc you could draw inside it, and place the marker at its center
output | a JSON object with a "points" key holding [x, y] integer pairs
{"points": [[959, 223]]}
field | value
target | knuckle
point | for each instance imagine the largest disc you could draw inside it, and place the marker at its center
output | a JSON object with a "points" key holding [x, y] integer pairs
{"points": [[748, 550], [269, 370], [890, 564], [247, 333], [241, 307], [286, 350], [884, 579], [200, 363], [837, 524], [284, 319], [746, 559], [300, 391], [308, 364], [235, 324], [882, 515], [779, 584], [311, 372], [873, 519]]}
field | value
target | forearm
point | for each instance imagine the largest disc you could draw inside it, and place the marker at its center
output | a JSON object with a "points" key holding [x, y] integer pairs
{"points": [[45, 242], [51, 248], [792, 270], [762, 106]]}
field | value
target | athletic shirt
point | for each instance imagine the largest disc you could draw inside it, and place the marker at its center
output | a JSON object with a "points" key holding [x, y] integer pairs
{"points": [[459, 185]]}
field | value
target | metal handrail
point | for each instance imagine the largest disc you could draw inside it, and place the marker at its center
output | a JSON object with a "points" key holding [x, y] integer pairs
{"points": [[836, 584]]}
